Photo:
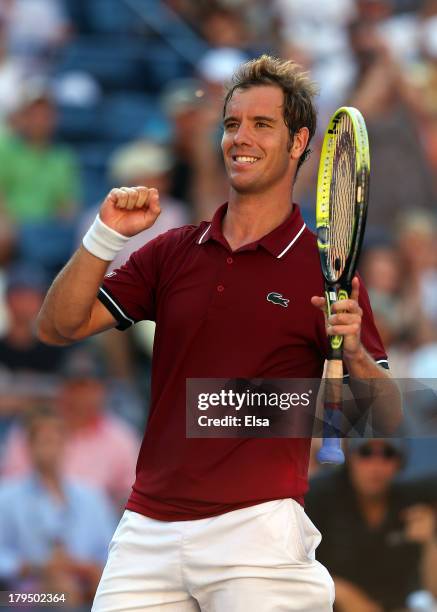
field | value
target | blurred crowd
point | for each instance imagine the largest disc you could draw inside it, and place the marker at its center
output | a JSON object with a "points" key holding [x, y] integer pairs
{"points": [[103, 93]]}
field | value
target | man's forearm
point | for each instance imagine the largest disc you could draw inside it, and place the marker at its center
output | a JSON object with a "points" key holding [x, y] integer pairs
{"points": [[362, 365], [373, 387], [71, 310], [350, 597], [428, 566], [67, 308]]}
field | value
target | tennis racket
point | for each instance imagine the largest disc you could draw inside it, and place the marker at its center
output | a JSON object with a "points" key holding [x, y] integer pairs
{"points": [[342, 197]]}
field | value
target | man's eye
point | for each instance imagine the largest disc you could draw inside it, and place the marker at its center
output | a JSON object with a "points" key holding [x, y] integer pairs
{"points": [[231, 125], [261, 124]]}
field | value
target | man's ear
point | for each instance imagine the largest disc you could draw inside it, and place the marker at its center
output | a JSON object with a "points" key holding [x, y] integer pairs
{"points": [[300, 142]]}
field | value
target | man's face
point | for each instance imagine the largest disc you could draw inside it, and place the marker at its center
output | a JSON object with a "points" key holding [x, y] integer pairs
{"points": [[81, 401], [256, 141], [46, 444], [372, 468], [24, 304], [37, 121]]}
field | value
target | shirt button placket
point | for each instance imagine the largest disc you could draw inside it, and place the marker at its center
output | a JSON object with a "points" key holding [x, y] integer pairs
{"points": [[221, 287]]}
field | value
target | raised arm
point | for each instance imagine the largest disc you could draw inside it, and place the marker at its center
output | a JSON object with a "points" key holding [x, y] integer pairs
{"points": [[71, 310]]}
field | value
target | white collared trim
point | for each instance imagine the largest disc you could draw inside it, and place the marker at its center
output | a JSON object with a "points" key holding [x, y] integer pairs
{"points": [[204, 234], [292, 242], [116, 306], [382, 361]]}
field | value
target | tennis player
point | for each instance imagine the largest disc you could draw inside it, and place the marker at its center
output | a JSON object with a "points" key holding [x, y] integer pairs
{"points": [[218, 525]]}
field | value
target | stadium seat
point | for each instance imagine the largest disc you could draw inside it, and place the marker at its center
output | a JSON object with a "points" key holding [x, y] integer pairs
{"points": [[127, 116], [162, 64], [114, 65], [112, 17], [79, 123], [93, 160]]}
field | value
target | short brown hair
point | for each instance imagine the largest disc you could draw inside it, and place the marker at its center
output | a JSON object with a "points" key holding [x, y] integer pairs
{"points": [[299, 91]]}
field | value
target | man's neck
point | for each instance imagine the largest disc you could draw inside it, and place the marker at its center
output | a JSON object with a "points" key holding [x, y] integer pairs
{"points": [[20, 336], [52, 482], [249, 217], [373, 509]]}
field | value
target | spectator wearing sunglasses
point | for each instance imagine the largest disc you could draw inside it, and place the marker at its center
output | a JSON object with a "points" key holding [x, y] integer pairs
{"points": [[379, 533]]}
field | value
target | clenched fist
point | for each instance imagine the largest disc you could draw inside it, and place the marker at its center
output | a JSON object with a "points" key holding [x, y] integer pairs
{"points": [[130, 210]]}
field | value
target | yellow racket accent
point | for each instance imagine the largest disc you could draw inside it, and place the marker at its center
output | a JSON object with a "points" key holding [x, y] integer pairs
{"points": [[342, 196], [331, 297], [344, 122]]}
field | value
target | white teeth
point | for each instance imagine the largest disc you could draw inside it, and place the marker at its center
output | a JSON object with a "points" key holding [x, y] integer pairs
{"points": [[245, 159]]}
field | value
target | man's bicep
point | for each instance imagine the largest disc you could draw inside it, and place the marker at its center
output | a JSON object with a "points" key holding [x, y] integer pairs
{"points": [[129, 292]]}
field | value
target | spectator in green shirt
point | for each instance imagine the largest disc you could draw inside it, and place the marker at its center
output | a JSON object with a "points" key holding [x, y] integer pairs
{"points": [[39, 182]]}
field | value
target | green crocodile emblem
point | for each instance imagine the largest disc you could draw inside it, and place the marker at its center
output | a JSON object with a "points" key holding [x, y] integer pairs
{"points": [[277, 298]]}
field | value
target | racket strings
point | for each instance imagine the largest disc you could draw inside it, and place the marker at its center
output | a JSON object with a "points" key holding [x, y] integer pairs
{"points": [[342, 197]]}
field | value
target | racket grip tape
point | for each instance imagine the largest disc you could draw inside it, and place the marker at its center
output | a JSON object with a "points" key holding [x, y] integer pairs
{"points": [[332, 296], [331, 451]]}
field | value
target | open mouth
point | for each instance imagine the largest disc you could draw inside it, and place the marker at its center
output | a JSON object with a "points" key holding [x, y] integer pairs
{"points": [[245, 159]]}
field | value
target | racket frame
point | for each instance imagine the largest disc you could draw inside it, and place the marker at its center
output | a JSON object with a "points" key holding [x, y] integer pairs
{"points": [[338, 286]]}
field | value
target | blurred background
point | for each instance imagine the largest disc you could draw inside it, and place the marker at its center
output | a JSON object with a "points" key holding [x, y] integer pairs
{"points": [[103, 93]]}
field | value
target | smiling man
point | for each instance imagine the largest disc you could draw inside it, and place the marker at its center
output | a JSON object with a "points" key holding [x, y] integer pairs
{"points": [[218, 525]]}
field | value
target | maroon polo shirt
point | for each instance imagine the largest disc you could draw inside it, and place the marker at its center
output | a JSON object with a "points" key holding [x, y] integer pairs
{"points": [[213, 320]]}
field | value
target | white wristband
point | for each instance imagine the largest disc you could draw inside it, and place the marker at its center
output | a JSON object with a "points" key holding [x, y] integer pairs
{"points": [[102, 241]]}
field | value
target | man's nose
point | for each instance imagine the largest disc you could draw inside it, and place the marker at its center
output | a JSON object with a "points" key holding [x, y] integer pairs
{"points": [[243, 135]]}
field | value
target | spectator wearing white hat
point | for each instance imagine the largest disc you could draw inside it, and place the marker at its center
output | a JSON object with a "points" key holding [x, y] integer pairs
{"points": [[144, 162]]}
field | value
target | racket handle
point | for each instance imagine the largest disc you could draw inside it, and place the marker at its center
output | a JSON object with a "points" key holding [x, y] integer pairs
{"points": [[331, 451]]}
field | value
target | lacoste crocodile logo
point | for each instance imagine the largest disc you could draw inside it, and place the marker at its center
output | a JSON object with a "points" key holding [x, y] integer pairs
{"points": [[277, 298]]}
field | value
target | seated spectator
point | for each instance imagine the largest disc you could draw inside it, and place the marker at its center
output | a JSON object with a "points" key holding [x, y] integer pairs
{"points": [[143, 163], [39, 186], [99, 448], [215, 68], [384, 97], [147, 163], [181, 101], [416, 234], [54, 532], [224, 27], [139, 163], [20, 350], [12, 72], [397, 310], [27, 366], [378, 536], [423, 80], [36, 30]]}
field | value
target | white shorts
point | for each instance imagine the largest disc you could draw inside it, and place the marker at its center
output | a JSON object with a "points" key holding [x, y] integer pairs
{"points": [[257, 559]]}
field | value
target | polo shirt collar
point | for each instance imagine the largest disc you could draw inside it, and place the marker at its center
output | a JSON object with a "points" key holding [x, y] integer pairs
{"points": [[278, 242]]}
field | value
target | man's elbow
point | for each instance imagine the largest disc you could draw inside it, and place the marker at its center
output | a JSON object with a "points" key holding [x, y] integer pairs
{"points": [[49, 335]]}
